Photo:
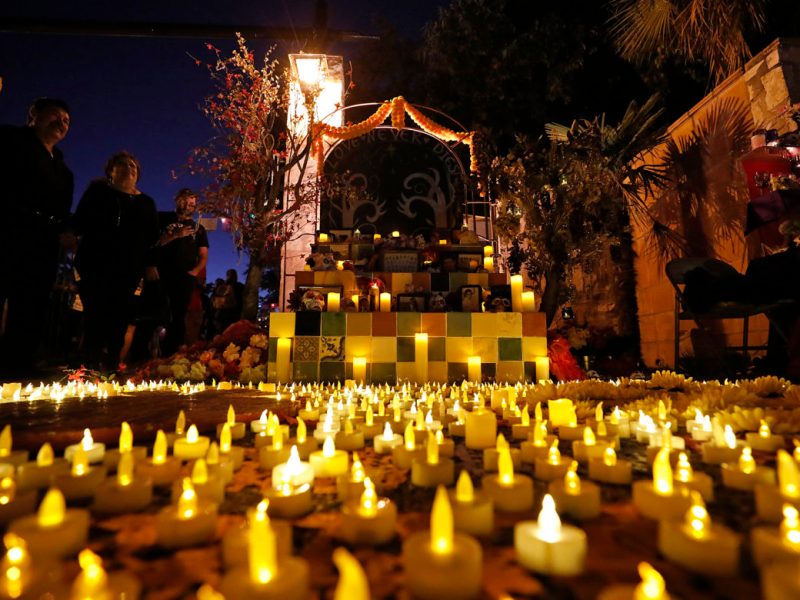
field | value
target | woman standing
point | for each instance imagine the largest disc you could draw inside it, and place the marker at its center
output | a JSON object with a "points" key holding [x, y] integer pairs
{"points": [[118, 226]]}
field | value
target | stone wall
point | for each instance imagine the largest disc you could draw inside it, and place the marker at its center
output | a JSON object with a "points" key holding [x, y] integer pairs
{"points": [[773, 81]]}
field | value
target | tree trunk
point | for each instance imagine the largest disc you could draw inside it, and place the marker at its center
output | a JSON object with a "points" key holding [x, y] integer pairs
{"points": [[252, 287], [627, 303], [552, 291]]}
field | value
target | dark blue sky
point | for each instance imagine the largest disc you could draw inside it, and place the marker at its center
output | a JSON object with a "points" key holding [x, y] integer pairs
{"points": [[142, 94]]}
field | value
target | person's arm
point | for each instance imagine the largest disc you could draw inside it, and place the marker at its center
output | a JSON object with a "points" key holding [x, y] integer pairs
{"points": [[202, 261]]}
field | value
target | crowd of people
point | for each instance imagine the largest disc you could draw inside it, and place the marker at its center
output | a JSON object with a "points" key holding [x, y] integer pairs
{"points": [[115, 280]]}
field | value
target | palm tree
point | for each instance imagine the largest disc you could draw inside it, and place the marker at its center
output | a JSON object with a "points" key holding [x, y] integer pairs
{"points": [[709, 31]]}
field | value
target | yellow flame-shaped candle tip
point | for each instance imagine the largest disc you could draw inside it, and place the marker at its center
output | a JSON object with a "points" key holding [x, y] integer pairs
{"points": [[525, 417], [180, 423], [125, 469], [652, 586], [5, 441], [212, 455], [548, 521], [15, 568], [408, 436], [598, 412], [192, 435], [225, 439], [609, 457], [441, 523], [368, 503], [684, 472], [697, 522], [537, 412], [388, 434], [277, 439], [357, 473], [465, 491], [369, 418], [92, 580], [615, 415], [8, 489], [763, 429], [662, 473], [553, 454], [52, 509], [87, 442], [261, 546], [588, 436], [328, 447], [790, 527], [187, 503], [353, 584], [747, 463], [80, 462], [505, 467], [432, 450], [572, 483], [788, 475], [160, 448], [302, 431], [45, 456], [200, 472], [501, 443], [125, 437], [729, 437], [231, 419]]}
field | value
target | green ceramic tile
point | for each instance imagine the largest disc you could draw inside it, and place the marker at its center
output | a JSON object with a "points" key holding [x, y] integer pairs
{"points": [[437, 349], [509, 348], [334, 323], [331, 371], [408, 323], [405, 349], [272, 349], [383, 373], [305, 371], [459, 324], [457, 280], [456, 372]]}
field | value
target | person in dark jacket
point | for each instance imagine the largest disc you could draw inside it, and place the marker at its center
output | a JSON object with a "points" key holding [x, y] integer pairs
{"points": [[35, 198], [118, 226]]}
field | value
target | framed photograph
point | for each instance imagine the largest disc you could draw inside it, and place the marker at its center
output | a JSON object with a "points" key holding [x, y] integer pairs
{"points": [[470, 262], [315, 297], [340, 236], [470, 297], [412, 302]]}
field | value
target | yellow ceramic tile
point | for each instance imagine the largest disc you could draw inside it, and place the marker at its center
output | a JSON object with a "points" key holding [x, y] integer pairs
{"points": [[510, 371], [484, 325], [400, 281], [357, 345], [407, 370], [508, 324], [458, 349], [486, 348], [359, 324], [437, 371], [533, 347], [281, 325], [384, 349]]}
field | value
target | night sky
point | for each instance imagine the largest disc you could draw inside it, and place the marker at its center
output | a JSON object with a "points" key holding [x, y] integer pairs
{"points": [[143, 94]]}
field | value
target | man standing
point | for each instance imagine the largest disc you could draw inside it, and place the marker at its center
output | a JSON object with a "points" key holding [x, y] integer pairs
{"points": [[36, 190], [182, 259]]}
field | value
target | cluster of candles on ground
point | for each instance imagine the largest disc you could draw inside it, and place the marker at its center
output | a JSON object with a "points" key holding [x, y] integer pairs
{"points": [[338, 426]]}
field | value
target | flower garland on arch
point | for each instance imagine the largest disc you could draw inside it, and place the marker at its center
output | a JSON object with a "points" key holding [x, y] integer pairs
{"points": [[397, 107]]}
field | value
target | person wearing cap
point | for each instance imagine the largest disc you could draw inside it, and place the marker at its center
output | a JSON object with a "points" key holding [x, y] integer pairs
{"points": [[36, 188]]}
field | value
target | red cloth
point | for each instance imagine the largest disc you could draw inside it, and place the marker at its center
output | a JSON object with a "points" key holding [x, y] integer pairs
{"points": [[562, 363]]}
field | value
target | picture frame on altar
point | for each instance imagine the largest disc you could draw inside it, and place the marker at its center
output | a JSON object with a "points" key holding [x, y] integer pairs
{"points": [[469, 262], [307, 302], [417, 302], [340, 236], [470, 298]]}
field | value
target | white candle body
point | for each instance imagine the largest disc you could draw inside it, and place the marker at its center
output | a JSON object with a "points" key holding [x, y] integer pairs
{"points": [[283, 359], [565, 556], [516, 293]]}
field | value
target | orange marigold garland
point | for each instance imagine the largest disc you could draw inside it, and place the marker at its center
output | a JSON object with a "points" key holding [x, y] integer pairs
{"points": [[399, 112]]}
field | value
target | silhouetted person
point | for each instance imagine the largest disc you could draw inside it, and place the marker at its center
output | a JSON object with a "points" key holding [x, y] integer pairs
{"points": [[35, 198], [234, 297]]}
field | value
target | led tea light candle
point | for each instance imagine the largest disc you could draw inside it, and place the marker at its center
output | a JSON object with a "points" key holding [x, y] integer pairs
{"points": [[548, 547], [576, 498], [700, 427], [305, 445], [528, 302], [190, 521], [294, 471], [770, 545], [192, 446], [432, 470], [221, 468], [490, 454], [698, 545], [283, 359], [266, 577], [368, 519], [180, 429], [770, 498], [474, 368], [442, 564], [349, 439], [588, 448], [14, 503], [473, 511], [94, 450], [610, 469], [7, 454], [277, 453], [510, 492], [385, 442], [37, 475], [308, 413], [94, 582], [334, 301], [227, 451], [351, 484], [516, 293], [446, 446], [561, 412], [237, 429], [539, 444], [652, 587], [764, 440], [161, 469], [658, 499], [553, 466], [360, 368], [124, 493], [370, 428], [723, 448], [745, 474], [404, 454], [523, 429], [328, 462], [82, 480], [621, 422], [480, 428], [54, 531], [112, 456], [386, 302], [20, 578], [353, 583], [207, 485], [685, 477], [236, 539]]}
